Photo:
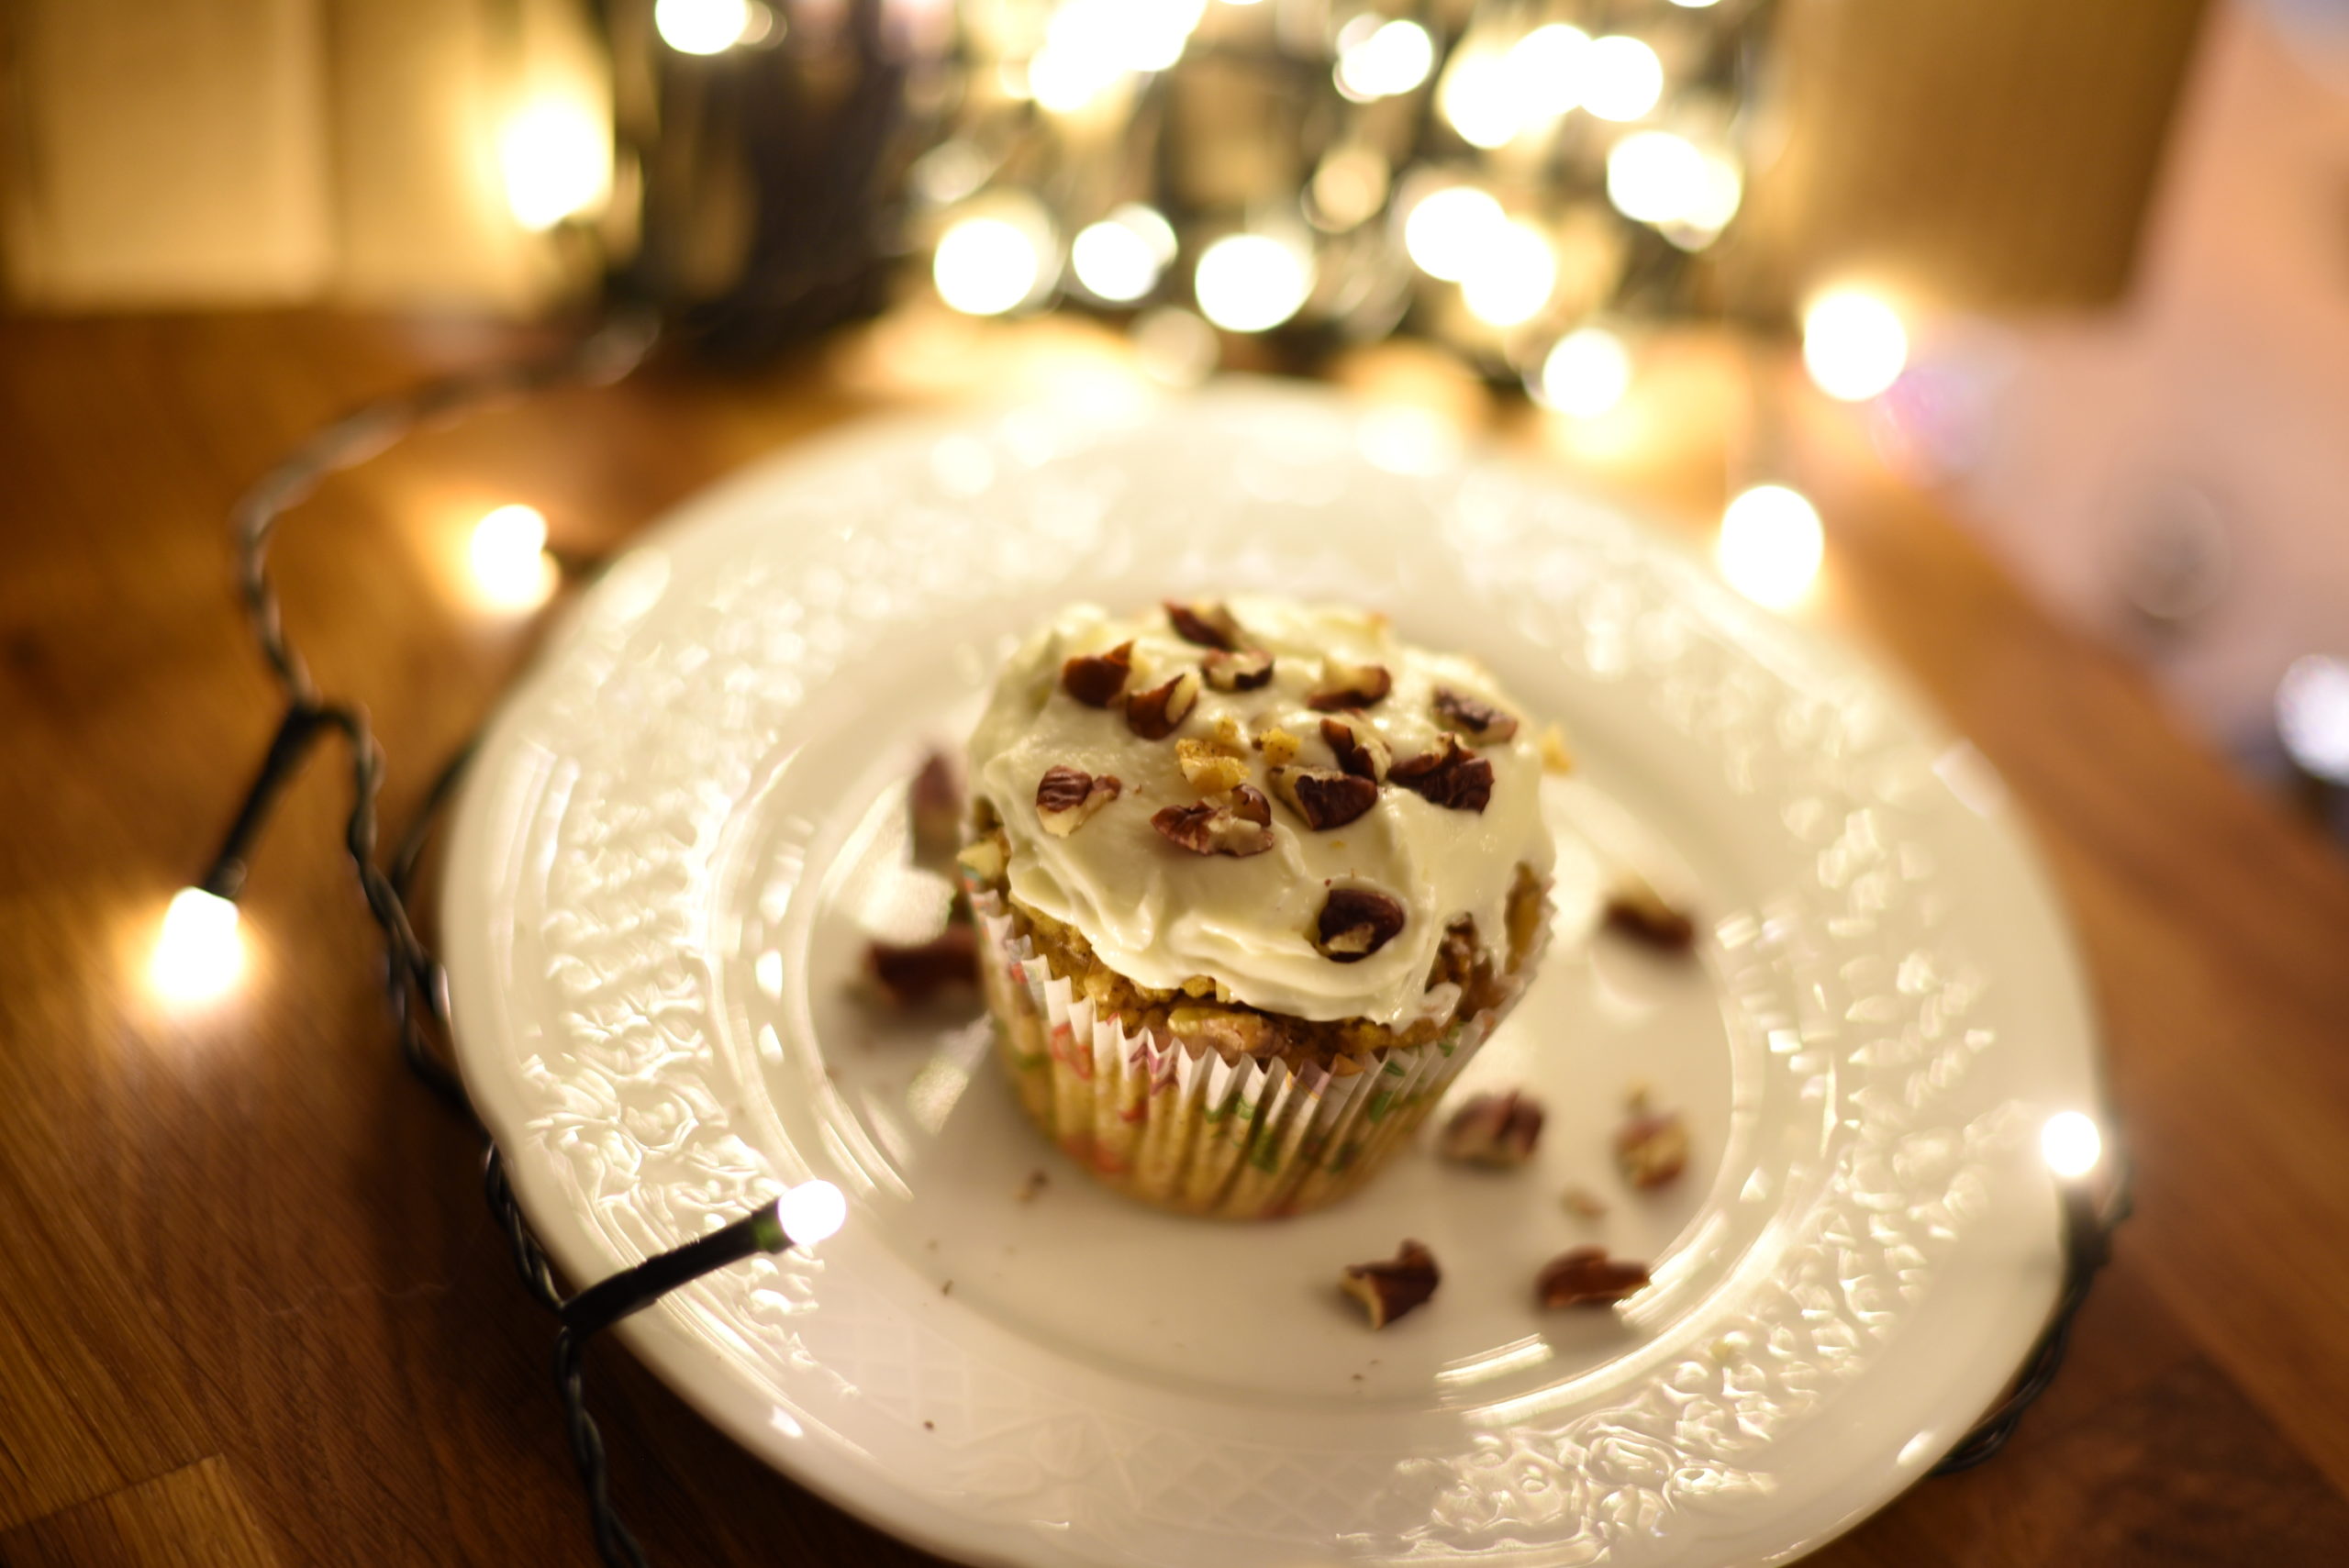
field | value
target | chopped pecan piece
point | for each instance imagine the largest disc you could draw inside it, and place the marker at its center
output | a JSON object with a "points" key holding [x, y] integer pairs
{"points": [[1498, 1130], [1323, 796], [1159, 712], [983, 858], [1582, 1203], [1207, 623], [1096, 679], [1279, 747], [1067, 797], [1555, 757], [1241, 670], [1209, 767], [908, 976], [1357, 922], [1344, 685], [1652, 1147], [1390, 1288], [1587, 1277], [1451, 776], [1360, 750], [1476, 719], [1238, 822], [934, 810], [1637, 910]]}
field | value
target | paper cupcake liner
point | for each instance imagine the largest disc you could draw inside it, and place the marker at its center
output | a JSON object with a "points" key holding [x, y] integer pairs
{"points": [[1190, 1129]]}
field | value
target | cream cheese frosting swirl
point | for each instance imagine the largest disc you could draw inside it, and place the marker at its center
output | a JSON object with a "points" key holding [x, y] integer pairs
{"points": [[1158, 913]]}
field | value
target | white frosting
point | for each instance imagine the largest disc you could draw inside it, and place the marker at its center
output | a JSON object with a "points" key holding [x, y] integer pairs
{"points": [[1157, 913]]}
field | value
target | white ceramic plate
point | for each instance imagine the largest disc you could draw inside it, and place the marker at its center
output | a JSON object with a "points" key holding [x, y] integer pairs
{"points": [[683, 822]]}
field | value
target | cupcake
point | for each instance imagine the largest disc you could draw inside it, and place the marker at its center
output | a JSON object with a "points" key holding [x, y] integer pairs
{"points": [[1254, 879]]}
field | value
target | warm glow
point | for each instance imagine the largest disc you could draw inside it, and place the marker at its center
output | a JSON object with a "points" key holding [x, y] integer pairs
{"points": [[1622, 78], [1654, 176], [1853, 344], [1546, 68], [198, 954], [1173, 347], [811, 1212], [2071, 1143], [556, 158], [1712, 201], [702, 26], [1091, 45], [509, 560], [1587, 373], [1479, 97], [1348, 186], [2313, 715], [1447, 229], [1511, 277], [984, 266], [1248, 282], [1380, 60], [1770, 546], [1113, 262]]}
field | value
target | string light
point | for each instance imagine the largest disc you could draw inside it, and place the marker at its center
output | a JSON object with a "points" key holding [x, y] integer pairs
{"points": [[199, 953], [1620, 79], [984, 266], [1380, 60], [508, 554], [1119, 259], [1770, 546], [1654, 176], [811, 1212], [702, 26], [2313, 715], [1712, 199], [556, 158], [1853, 344], [1546, 70], [1511, 276], [1479, 96], [1585, 374], [1251, 282], [1447, 228], [2071, 1143]]}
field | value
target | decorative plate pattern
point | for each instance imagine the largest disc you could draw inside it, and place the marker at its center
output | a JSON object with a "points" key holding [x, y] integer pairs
{"points": [[649, 870]]}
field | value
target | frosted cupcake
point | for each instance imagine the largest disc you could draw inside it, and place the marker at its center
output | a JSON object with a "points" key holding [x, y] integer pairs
{"points": [[1254, 880]]}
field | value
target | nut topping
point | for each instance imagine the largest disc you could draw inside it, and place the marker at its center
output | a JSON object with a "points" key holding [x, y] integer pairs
{"points": [[1323, 796], [1637, 910], [1388, 1289], [1067, 797], [1476, 719], [1157, 713], [1652, 1147], [1452, 777], [1344, 685], [1279, 747], [1496, 1130], [1209, 767], [1362, 750], [1096, 679], [1587, 1277], [909, 976], [1243, 669], [1238, 822], [1207, 623], [1357, 922]]}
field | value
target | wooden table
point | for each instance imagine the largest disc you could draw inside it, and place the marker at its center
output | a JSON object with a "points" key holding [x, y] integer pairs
{"points": [[251, 1310]]}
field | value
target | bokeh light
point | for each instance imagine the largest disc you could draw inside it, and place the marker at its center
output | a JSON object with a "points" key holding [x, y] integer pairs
{"points": [[1251, 282], [2313, 715], [507, 554], [1585, 374], [1620, 79], [984, 266], [1511, 276], [1115, 261], [1853, 344], [1546, 69], [2071, 1143], [1479, 98], [1380, 60], [555, 158], [1771, 545], [812, 1212], [702, 26], [1447, 228], [1654, 176]]}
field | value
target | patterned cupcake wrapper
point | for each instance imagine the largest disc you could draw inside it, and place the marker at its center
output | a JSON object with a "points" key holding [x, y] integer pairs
{"points": [[1197, 1132]]}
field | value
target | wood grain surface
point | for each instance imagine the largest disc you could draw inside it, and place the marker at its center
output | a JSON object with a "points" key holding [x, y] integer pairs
{"points": [[252, 1309]]}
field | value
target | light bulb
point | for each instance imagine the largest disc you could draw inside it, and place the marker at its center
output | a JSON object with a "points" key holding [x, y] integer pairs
{"points": [[1250, 283], [1479, 96], [1446, 230], [2313, 715], [1546, 70], [199, 952], [1654, 176], [811, 1212], [1585, 374], [2071, 1143], [1853, 344], [1113, 262], [1511, 278], [702, 26], [556, 158], [1382, 60], [1622, 78], [508, 554], [1771, 545], [984, 266]]}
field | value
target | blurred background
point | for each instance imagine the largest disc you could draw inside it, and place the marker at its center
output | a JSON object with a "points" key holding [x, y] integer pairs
{"points": [[2080, 270]]}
